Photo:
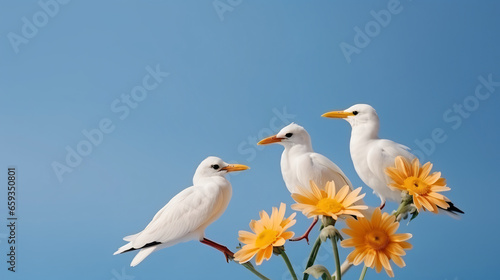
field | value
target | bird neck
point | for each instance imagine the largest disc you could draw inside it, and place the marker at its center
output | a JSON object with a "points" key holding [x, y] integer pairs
{"points": [[365, 131], [298, 149], [201, 180]]}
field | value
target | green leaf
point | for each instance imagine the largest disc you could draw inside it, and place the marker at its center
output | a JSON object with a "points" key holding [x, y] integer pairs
{"points": [[413, 216]]}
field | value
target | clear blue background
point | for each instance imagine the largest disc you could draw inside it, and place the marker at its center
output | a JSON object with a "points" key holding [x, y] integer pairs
{"points": [[228, 76]]}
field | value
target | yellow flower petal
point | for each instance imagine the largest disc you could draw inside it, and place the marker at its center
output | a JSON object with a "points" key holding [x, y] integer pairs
{"points": [[328, 203], [375, 241], [398, 261], [353, 197], [353, 212], [377, 264], [384, 260], [432, 178], [342, 193], [288, 224], [246, 237], [302, 199], [264, 217], [279, 242], [427, 204], [269, 232], [395, 175], [268, 252], [315, 190], [415, 179], [256, 226], [401, 166], [439, 202], [281, 212], [395, 249], [330, 189], [424, 172], [405, 245], [359, 257], [260, 257], [399, 237], [287, 235], [370, 258], [376, 218], [244, 255], [416, 167]]}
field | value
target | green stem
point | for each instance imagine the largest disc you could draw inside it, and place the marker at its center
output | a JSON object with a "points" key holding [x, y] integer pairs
{"points": [[312, 256], [337, 261], [252, 269], [363, 273], [288, 264], [402, 206]]}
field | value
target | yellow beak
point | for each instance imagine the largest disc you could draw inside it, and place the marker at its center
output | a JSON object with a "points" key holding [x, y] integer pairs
{"points": [[337, 114], [235, 167], [270, 140]]}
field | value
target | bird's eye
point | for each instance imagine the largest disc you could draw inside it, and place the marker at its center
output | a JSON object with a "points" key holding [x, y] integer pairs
{"points": [[288, 135], [215, 166], [355, 112]]}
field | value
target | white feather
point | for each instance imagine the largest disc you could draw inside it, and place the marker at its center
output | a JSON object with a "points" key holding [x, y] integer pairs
{"points": [[372, 155], [186, 216], [300, 164]]}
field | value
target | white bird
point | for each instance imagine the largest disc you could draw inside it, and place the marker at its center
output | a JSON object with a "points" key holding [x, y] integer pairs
{"points": [[372, 155], [187, 215], [300, 164]]}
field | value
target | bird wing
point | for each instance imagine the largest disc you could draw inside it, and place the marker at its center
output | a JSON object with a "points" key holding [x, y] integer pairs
{"points": [[320, 169], [382, 154], [184, 214]]}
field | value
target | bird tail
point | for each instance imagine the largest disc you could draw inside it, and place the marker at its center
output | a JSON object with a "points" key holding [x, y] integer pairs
{"points": [[143, 253], [124, 248], [128, 246], [452, 211], [131, 237]]}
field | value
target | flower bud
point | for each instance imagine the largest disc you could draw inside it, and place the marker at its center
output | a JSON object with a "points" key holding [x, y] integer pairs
{"points": [[317, 271], [327, 221], [329, 232]]}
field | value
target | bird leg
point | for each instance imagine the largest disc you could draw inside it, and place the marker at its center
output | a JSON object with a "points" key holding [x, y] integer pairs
{"points": [[227, 253], [306, 234]]}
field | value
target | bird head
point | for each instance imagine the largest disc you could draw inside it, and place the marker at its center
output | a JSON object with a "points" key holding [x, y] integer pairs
{"points": [[214, 166], [356, 115], [292, 134]]}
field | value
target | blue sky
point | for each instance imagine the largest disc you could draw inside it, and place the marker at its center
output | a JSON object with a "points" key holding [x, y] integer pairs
{"points": [[235, 76]]}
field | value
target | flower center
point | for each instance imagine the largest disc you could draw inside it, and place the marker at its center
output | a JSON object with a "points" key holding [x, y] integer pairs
{"points": [[416, 186], [377, 239], [329, 205], [266, 238]]}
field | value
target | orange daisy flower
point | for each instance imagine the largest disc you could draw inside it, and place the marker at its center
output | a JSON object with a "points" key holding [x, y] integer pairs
{"points": [[375, 242], [268, 232], [328, 203], [415, 179]]}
